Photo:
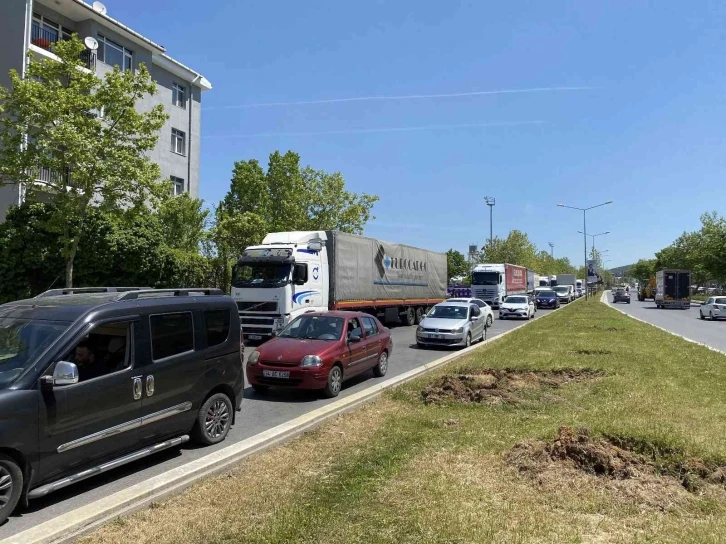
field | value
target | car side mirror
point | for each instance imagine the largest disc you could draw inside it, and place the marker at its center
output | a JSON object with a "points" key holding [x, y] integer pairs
{"points": [[64, 373], [354, 338]]}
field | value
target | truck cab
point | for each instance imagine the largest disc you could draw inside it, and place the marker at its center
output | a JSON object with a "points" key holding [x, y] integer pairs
{"points": [[280, 279], [488, 283]]}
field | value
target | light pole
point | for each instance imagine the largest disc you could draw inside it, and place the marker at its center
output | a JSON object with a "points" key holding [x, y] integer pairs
{"points": [[584, 228], [552, 249], [594, 235], [491, 201]]}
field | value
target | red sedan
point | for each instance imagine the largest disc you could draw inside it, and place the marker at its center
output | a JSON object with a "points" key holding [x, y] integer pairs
{"points": [[321, 351]]}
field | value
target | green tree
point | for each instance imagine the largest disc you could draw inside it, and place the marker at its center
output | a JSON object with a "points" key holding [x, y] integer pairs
{"points": [[516, 248], [184, 223], [456, 264], [713, 245], [642, 270], [67, 133]]}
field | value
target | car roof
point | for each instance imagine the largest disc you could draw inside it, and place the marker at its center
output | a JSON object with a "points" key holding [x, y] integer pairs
{"points": [[462, 299], [339, 313], [453, 303]]}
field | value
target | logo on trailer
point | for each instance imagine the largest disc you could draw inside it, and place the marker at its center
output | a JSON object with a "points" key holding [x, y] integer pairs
{"points": [[316, 273]]}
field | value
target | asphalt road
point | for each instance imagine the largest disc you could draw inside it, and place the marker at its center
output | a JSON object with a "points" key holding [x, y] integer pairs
{"points": [[259, 413], [684, 322]]}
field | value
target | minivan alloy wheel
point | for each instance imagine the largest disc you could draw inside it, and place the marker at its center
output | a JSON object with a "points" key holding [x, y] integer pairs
{"points": [[11, 485], [6, 486], [217, 418]]}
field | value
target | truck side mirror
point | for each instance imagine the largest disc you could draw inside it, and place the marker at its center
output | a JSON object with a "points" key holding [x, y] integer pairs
{"points": [[300, 274]]}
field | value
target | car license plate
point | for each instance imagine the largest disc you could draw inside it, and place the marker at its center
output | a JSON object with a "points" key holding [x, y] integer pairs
{"points": [[435, 336], [276, 374], [254, 337]]}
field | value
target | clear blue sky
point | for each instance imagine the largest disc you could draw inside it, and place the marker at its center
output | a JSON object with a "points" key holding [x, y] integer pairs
{"points": [[647, 132]]}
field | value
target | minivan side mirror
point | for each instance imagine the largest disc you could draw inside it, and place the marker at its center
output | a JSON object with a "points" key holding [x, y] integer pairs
{"points": [[64, 373]]}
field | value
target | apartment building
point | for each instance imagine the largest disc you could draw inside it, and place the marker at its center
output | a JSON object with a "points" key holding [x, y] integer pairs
{"points": [[35, 25]]}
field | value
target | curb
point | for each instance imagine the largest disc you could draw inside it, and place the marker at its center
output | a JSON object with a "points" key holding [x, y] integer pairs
{"points": [[604, 300], [71, 525]]}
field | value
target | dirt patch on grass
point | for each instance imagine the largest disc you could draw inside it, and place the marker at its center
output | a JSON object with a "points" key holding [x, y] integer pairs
{"points": [[652, 479], [492, 386], [592, 352]]}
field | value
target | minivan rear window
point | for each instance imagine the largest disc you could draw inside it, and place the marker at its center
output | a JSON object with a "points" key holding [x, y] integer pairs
{"points": [[171, 334], [216, 323]]}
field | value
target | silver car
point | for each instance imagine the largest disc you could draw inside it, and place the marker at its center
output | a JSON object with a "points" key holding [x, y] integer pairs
{"points": [[451, 324]]}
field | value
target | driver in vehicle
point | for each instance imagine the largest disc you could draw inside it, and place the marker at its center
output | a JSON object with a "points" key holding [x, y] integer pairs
{"points": [[85, 359]]}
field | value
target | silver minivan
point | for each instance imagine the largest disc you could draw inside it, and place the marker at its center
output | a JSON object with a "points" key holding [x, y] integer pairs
{"points": [[451, 324]]}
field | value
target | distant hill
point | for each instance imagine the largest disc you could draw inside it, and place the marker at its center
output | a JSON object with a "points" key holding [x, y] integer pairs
{"points": [[620, 270]]}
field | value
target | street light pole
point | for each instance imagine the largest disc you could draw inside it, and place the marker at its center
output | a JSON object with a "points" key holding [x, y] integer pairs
{"points": [[584, 229], [593, 237], [491, 201], [552, 250]]}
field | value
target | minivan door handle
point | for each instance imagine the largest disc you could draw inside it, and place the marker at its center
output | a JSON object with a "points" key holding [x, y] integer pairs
{"points": [[149, 385], [137, 387]]}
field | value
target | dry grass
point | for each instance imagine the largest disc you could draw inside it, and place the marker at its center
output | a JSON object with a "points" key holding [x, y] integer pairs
{"points": [[409, 472]]}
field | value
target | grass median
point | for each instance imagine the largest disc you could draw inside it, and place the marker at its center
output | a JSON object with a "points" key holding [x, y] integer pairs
{"points": [[586, 426]]}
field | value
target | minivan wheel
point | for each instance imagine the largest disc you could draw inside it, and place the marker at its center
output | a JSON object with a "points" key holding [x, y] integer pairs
{"points": [[11, 486], [214, 420], [382, 367], [335, 382]]}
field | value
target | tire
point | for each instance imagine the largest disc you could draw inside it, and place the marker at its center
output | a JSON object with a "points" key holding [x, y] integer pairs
{"points": [[261, 388], [410, 318], [11, 486], [468, 340], [419, 315], [335, 382], [214, 420], [700, 312], [382, 367], [490, 321]]}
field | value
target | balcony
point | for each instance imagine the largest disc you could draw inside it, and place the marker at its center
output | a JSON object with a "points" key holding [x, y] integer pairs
{"points": [[45, 37]]}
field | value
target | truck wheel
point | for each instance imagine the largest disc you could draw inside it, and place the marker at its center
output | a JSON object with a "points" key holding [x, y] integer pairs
{"points": [[11, 486], [410, 318], [419, 315]]}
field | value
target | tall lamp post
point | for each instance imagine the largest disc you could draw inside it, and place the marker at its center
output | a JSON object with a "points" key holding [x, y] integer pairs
{"points": [[552, 249], [584, 228], [491, 201], [594, 235]]}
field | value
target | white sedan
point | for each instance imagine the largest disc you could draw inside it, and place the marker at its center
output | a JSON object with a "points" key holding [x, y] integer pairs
{"points": [[518, 306], [714, 308]]}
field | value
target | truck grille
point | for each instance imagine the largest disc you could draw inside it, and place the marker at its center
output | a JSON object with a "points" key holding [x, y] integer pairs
{"points": [[267, 321], [243, 306]]}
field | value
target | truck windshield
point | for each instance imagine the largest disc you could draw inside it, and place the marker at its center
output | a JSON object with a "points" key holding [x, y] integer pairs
{"points": [[485, 278], [261, 275], [21, 341]]}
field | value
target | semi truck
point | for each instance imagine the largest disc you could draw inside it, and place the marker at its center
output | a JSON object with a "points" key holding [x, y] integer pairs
{"points": [[492, 283], [291, 273], [673, 289]]}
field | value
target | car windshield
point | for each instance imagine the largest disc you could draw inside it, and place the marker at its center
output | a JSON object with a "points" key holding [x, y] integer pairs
{"points": [[720, 301], [561, 289], [485, 278], [261, 275], [546, 294], [449, 312], [515, 300], [21, 341], [314, 327]]}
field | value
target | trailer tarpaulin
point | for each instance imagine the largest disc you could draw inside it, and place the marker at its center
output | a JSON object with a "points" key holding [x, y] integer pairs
{"points": [[363, 268]]}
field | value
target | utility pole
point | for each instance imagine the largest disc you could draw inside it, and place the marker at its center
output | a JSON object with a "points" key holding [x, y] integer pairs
{"points": [[552, 250], [491, 201]]}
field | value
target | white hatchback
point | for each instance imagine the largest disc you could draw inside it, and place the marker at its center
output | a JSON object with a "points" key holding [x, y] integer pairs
{"points": [[714, 308], [518, 306]]}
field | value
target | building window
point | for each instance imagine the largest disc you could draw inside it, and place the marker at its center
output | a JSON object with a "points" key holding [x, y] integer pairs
{"points": [[45, 32], [177, 186], [178, 95], [113, 54], [178, 139]]}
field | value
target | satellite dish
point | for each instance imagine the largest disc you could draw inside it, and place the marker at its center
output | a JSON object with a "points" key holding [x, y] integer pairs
{"points": [[91, 43], [99, 7]]}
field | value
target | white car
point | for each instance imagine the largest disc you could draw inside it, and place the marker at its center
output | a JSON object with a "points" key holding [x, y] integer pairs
{"points": [[518, 306], [486, 310], [714, 308]]}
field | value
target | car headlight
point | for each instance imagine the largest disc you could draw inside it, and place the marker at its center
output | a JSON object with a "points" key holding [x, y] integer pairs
{"points": [[458, 331], [254, 357], [311, 360]]}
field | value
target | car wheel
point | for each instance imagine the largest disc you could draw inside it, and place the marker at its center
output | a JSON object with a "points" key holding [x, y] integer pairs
{"points": [[700, 312], [382, 367], [260, 388], [214, 420], [490, 320], [11, 486], [335, 382], [410, 318], [468, 339]]}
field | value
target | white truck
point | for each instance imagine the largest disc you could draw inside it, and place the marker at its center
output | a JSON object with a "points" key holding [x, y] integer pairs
{"points": [[569, 281], [292, 273], [492, 283]]}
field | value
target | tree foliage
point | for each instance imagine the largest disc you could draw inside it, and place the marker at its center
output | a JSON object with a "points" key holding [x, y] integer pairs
{"points": [[54, 141], [456, 264], [518, 249]]}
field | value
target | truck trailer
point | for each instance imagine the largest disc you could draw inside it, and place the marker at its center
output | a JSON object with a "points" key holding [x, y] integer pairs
{"points": [[673, 289], [492, 283], [292, 273]]}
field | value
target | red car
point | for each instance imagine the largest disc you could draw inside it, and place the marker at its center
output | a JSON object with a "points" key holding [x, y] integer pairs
{"points": [[321, 351]]}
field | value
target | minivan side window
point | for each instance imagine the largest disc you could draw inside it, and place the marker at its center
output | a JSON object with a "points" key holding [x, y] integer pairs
{"points": [[171, 334], [217, 323], [104, 350]]}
